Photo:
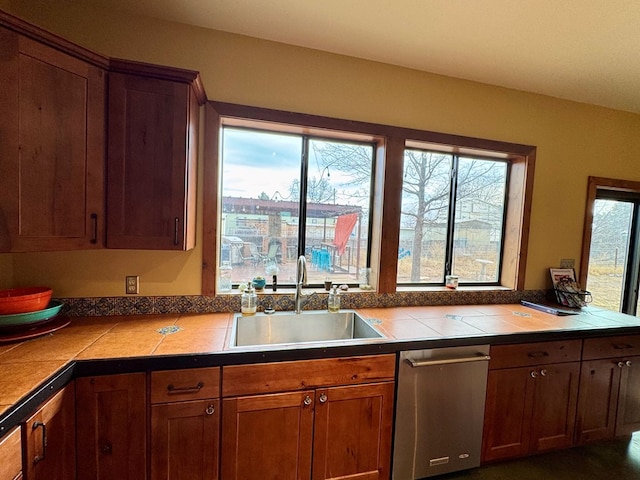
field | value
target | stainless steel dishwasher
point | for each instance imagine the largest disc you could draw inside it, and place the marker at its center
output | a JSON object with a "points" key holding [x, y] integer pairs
{"points": [[439, 411]]}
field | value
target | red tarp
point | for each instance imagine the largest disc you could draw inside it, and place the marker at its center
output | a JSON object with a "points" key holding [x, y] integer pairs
{"points": [[344, 227]]}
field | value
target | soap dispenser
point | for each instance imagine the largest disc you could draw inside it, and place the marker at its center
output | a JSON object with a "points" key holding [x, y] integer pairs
{"points": [[334, 299], [249, 301]]}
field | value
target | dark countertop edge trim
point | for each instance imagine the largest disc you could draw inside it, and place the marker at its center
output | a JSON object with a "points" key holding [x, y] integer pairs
{"points": [[26, 406]]}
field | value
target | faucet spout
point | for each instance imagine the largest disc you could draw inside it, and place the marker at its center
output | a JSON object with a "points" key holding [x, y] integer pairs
{"points": [[301, 279]]}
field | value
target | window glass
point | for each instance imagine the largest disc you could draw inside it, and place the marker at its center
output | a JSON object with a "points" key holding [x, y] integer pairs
{"points": [[426, 192], [478, 226], [258, 219], [337, 208], [609, 255], [264, 225], [452, 218]]}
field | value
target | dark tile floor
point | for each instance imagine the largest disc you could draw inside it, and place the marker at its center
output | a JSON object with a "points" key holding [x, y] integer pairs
{"points": [[615, 460]]}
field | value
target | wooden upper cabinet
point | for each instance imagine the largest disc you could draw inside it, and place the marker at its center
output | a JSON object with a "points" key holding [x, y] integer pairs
{"points": [[153, 116], [51, 148]]}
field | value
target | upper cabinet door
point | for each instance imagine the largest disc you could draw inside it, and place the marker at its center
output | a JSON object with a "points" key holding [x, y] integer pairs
{"points": [[151, 162], [51, 148]]}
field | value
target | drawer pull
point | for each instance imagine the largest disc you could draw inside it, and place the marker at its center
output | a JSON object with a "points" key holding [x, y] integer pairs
{"points": [[537, 354], [38, 458], [622, 346], [173, 390], [210, 410]]}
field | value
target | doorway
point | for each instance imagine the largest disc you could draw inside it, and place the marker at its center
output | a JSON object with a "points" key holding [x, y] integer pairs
{"points": [[611, 239]]}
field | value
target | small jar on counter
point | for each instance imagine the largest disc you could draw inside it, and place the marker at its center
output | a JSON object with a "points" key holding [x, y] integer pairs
{"points": [[249, 301], [334, 299]]}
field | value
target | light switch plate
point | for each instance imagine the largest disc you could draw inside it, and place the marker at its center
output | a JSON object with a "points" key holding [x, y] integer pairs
{"points": [[132, 284]]}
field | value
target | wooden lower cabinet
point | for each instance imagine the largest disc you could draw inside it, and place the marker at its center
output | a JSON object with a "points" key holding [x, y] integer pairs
{"points": [[532, 408], [598, 400], [609, 401], [184, 440], [11, 456], [267, 435], [112, 430], [326, 432], [185, 424], [50, 437], [352, 432], [628, 417]]}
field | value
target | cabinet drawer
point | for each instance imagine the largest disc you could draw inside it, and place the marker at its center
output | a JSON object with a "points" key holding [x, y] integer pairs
{"points": [[539, 353], [188, 384], [11, 454], [304, 374], [611, 347]]}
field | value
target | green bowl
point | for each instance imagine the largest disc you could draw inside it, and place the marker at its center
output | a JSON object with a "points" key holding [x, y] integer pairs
{"points": [[51, 311]]}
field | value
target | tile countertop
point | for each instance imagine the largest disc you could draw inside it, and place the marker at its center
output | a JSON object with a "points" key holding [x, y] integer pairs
{"points": [[26, 365]]}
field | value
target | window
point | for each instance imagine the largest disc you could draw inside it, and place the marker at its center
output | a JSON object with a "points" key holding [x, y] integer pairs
{"points": [[355, 212], [452, 218], [285, 195]]}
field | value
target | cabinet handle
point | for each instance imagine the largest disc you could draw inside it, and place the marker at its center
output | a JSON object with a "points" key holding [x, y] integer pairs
{"points": [[620, 364], [210, 409], [173, 390], [622, 346], [543, 372], [628, 363], [537, 354], [176, 225], [323, 398], [94, 228], [534, 374], [107, 448], [38, 458], [307, 400]]}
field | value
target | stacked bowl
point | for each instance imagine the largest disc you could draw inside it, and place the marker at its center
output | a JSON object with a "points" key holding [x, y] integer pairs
{"points": [[27, 307]]}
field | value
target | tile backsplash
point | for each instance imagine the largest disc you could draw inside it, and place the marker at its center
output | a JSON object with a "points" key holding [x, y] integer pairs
{"points": [[140, 305]]}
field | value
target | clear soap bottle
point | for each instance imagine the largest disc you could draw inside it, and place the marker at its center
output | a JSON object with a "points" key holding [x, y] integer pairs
{"points": [[249, 301], [334, 299]]}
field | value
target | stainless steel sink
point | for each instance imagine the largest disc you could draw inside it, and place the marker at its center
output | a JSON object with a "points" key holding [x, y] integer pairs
{"points": [[295, 328]]}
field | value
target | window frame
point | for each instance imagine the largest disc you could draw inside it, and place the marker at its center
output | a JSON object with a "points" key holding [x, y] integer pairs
{"points": [[391, 142]]}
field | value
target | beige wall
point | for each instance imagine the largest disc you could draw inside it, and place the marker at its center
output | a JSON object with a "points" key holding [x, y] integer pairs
{"points": [[574, 140]]}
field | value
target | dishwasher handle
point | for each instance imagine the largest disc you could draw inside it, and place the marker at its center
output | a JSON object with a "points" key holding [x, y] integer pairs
{"points": [[448, 361]]}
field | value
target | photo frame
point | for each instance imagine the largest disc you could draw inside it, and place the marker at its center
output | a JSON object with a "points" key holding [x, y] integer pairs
{"points": [[562, 276]]}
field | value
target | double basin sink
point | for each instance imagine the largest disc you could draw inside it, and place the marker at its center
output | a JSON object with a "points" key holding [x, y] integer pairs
{"points": [[278, 328]]}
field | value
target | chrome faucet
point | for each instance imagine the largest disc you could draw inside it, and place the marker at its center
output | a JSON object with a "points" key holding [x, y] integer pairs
{"points": [[301, 279]]}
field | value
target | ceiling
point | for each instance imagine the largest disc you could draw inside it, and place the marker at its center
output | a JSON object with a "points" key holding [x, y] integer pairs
{"points": [[582, 50]]}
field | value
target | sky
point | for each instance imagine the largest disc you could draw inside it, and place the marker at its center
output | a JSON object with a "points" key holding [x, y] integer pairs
{"points": [[250, 158]]}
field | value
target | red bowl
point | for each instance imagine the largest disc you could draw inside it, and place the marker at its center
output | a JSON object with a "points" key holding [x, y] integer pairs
{"points": [[24, 300]]}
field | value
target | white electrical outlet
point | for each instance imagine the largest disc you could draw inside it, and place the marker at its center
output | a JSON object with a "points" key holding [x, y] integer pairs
{"points": [[567, 263], [132, 284]]}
